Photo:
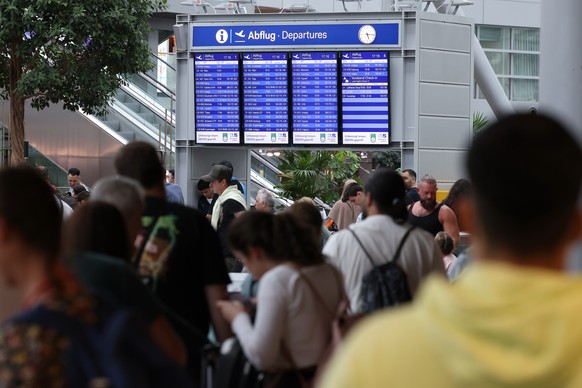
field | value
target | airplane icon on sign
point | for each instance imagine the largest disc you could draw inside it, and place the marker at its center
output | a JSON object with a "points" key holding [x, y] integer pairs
{"points": [[198, 56], [240, 34], [247, 56], [296, 56], [346, 56]]}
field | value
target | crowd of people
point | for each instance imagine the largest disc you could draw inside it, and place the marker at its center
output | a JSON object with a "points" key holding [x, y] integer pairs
{"points": [[129, 287]]}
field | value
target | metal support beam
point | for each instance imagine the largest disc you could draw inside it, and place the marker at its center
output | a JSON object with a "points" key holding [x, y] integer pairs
{"points": [[561, 62]]}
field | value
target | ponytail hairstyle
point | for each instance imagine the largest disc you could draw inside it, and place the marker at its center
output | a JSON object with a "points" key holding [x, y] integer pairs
{"points": [[386, 188]]}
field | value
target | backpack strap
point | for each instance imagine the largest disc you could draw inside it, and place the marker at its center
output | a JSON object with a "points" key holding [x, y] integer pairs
{"points": [[396, 255], [317, 295]]}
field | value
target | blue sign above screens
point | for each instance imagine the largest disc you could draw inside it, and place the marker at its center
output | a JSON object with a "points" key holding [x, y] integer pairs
{"points": [[332, 35], [217, 114], [316, 95]]}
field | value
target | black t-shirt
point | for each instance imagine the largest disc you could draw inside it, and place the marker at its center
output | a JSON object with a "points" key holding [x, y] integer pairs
{"points": [[229, 208], [412, 195], [181, 256], [205, 207]]}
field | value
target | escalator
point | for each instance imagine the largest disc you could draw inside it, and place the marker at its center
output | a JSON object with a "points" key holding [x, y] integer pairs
{"points": [[143, 109]]}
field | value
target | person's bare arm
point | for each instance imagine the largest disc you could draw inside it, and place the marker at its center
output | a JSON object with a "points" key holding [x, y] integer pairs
{"points": [[214, 293], [449, 221], [164, 335]]}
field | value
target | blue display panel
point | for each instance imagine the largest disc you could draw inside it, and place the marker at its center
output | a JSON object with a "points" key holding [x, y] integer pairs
{"points": [[217, 109], [315, 97], [332, 35], [265, 98], [365, 101]]}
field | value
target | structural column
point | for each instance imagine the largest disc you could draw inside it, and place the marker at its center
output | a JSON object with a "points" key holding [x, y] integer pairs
{"points": [[561, 62]]}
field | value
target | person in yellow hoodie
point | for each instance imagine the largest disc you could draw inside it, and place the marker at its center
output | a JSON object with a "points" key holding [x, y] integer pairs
{"points": [[513, 319]]}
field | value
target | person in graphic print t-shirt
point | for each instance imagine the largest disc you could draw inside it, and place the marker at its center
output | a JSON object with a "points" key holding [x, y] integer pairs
{"points": [[179, 253]]}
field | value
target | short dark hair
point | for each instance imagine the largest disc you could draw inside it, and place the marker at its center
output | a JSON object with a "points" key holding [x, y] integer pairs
{"points": [[351, 190], [410, 172], [83, 196], [202, 185], [531, 146], [29, 206], [386, 188], [172, 171], [78, 189], [74, 171], [140, 160]]}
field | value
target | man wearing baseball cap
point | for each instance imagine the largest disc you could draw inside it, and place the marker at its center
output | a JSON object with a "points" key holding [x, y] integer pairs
{"points": [[229, 204]]}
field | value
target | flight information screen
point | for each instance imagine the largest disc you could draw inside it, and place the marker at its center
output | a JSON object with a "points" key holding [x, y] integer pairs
{"points": [[314, 93], [265, 98], [217, 109], [364, 83]]}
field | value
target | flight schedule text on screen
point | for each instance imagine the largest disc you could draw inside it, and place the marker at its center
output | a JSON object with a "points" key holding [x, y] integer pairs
{"points": [[217, 106], [365, 111], [296, 97], [315, 97], [265, 98]]}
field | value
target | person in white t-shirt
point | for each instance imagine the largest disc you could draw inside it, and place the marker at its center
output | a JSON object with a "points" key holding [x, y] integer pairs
{"points": [[297, 300], [381, 232]]}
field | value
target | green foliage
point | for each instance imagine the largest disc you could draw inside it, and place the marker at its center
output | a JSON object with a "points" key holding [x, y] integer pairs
{"points": [[389, 159], [479, 121], [316, 173], [74, 51]]}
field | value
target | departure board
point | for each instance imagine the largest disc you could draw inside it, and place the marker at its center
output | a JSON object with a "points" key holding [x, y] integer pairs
{"points": [[314, 93], [217, 109], [365, 103], [265, 98]]}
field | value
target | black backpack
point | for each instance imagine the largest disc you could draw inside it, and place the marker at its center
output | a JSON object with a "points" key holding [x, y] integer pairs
{"points": [[384, 285]]}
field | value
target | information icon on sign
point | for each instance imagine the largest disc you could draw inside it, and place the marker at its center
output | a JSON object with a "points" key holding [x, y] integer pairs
{"points": [[221, 36]]}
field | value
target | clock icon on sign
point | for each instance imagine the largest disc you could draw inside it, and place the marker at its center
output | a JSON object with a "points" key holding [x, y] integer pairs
{"points": [[367, 34]]}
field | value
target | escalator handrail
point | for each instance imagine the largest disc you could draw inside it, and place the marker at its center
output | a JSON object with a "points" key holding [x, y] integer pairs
{"points": [[154, 82], [265, 162], [150, 104], [163, 61]]}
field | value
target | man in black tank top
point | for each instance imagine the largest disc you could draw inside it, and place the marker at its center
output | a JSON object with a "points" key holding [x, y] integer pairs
{"points": [[430, 215]]}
